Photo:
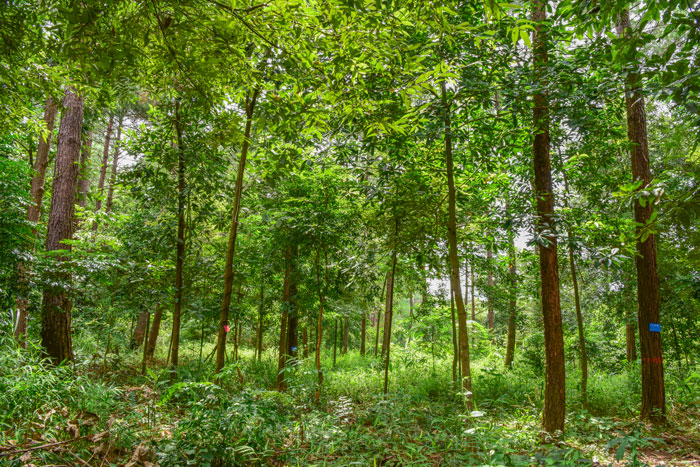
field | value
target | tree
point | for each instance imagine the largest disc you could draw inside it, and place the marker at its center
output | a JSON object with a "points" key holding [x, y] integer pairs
{"points": [[57, 304]]}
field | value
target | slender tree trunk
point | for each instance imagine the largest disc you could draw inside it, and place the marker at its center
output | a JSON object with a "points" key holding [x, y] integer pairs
{"points": [[155, 329], [579, 322], [319, 326], [512, 306], [335, 340], [410, 317], [56, 306], [555, 373], [454, 258], [259, 332], [305, 341], [653, 391], [83, 175], [231, 249], [115, 163], [363, 333], [379, 318], [389, 311], [473, 295], [180, 249], [491, 315], [292, 314], [286, 302], [103, 167], [631, 338], [346, 334], [33, 213], [145, 347], [455, 346]]}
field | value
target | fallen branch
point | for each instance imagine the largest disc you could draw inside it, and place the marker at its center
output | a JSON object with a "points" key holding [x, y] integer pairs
{"points": [[42, 446]]}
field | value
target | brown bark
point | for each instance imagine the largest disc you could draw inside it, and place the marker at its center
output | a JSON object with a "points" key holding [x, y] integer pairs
{"points": [[631, 338], [653, 391], [579, 322], [233, 233], [292, 313], [103, 167], [33, 213], [512, 306], [84, 176], [305, 340], [56, 306], [388, 314], [379, 318], [155, 329], [115, 166], [491, 314], [555, 372], [455, 346], [180, 250], [363, 333], [473, 295], [346, 334], [144, 361], [454, 258], [140, 330], [259, 331], [286, 294], [319, 326]]}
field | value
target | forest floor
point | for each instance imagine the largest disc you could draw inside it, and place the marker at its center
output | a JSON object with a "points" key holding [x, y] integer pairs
{"points": [[104, 412]]}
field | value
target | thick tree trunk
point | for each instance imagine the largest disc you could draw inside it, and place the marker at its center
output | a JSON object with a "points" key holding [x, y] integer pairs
{"points": [[155, 329], [512, 306], [33, 213], [140, 330], [454, 258], [233, 234], [631, 338], [103, 167], [56, 306], [115, 167], [555, 373], [388, 314], [653, 391], [180, 249]]}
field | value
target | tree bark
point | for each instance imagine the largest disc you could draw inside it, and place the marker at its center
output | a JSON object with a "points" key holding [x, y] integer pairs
{"points": [[115, 167], [512, 306], [555, 372], [388, 313], [33, 213], [454, 258], [56, 306], [83, 175], [455, 346], [579, 322], [319, 325], [103, 167], [180, 250], [631, 338], [346, 334], [286, 299], [491, 320], [233, 234], [259, 332], [363, 333], [155, 329], [653, 391], [379, 318], [292, 314]]}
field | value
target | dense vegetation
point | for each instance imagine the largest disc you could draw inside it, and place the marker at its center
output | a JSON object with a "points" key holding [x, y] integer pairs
{"points": [[349, 232]]}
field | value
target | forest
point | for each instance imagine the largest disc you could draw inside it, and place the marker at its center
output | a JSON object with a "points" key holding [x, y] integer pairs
{"points": [[349, 232]]}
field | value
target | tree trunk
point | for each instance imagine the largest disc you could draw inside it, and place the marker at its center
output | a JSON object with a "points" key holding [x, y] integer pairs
{"points": [[491, 315], [473, 295], [103, 167], [410, 317], [631, 339], [454, 258], [180, 250], [286, 302], [389, 312], [259, 332], [653, 391], [512, 306], [579, 322], [83, 175], [379, 318], [56, 306], [155, 329], [455, 346], [305, 341], [231, 249], [555, 373], [33, 213], [145, 347], [335, 340], [140, 330], [363, 333], [292, 314], [319, 326], [115, 162], [346, 334]]}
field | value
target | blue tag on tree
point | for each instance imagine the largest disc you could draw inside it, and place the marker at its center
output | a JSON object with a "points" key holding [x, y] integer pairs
{"points": [[294, 349], [655, 327]]}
